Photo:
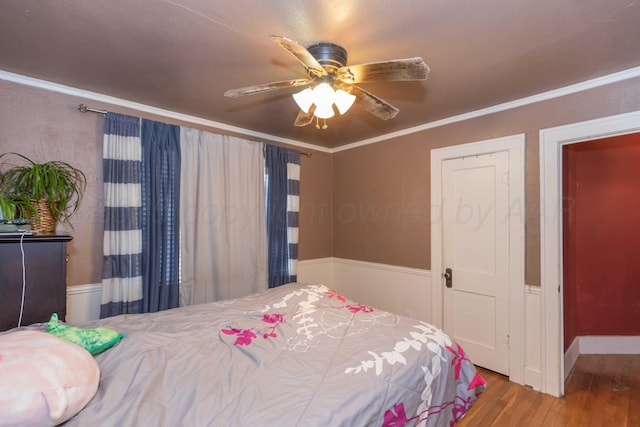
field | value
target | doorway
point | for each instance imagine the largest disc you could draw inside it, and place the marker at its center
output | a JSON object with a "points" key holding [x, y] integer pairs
{"points": [[551, 142]]}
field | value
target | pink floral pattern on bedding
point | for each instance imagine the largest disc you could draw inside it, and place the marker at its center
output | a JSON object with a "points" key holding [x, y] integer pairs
{"points": [[397, 417], [332, 293], [458, 357], [356, 308], [246, 336], [243, 336]]}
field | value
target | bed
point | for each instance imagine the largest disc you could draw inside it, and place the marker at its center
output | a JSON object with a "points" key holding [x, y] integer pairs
{"points": [[296, 355]]}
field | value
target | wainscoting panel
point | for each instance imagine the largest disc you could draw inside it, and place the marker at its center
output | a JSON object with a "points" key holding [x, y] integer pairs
{"points": [[317, 271], [83, 303], [401, 290]]}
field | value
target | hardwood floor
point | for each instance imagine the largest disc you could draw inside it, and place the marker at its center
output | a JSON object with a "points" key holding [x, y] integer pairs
{"points": [[602, 390]]}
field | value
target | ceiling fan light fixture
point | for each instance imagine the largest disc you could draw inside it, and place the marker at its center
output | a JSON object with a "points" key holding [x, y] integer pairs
{"points": [[343, 100], [330, 81], [304, 99]]}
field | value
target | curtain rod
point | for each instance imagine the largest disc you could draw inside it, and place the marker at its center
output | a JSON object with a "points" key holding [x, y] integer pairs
{"points": [[83, 109]]}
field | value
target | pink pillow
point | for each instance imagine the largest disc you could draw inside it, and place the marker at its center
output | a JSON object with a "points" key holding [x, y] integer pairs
{"points": [[44, 380]]}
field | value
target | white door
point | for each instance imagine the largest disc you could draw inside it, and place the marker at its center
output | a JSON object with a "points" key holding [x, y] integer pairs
{"points": [[475, 202]]}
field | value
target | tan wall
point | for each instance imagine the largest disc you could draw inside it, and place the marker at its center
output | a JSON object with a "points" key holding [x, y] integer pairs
{"points": [[381, 202], [316, 226], [45, 125]]}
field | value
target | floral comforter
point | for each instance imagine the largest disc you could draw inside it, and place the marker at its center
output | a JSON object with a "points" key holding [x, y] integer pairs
{"points": [[297, 355]]}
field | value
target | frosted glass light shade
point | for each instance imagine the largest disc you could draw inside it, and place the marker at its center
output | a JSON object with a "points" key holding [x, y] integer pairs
{"points": [[324, 111], [323, 95], [304, 99], [343, 100]]}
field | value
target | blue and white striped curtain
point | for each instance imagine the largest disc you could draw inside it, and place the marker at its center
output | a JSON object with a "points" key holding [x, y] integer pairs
{"points": [[283, 200], [293, 211], [141, 162], [122, 243]]}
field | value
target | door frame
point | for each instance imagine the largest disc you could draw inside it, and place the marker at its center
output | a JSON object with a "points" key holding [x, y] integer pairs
{"points": [[515, 146], [551, 142]]}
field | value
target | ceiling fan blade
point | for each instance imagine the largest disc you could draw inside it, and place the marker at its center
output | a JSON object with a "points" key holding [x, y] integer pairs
{"points": [[250, 90], [393, 70], [303, 118], [376, 106], [301, 54]]}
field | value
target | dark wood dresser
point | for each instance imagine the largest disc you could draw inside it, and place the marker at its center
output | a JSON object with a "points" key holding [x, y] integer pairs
{"points": [[45, 258]]}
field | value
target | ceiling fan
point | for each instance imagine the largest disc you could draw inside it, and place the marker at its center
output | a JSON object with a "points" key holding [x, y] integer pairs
{"points": [[331, 82]]}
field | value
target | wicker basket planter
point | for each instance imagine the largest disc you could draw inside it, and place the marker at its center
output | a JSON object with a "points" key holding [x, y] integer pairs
{"points": [[43, 220]]}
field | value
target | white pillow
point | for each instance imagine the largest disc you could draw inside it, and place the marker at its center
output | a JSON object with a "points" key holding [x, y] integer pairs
{"points": [[44, 380]]}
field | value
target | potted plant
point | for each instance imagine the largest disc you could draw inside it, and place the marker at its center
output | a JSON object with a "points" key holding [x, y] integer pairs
{"points": [[52, 190]]}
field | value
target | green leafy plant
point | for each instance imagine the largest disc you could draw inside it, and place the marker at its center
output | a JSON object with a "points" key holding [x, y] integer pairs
{"points": [[57, 182], [15, 207]]}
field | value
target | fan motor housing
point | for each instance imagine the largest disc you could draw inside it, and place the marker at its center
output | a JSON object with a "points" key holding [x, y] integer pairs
{"points": [[329, 54]]}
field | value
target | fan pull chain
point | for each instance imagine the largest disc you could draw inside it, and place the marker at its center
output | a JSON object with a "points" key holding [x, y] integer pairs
{"points": [[324, 125]]}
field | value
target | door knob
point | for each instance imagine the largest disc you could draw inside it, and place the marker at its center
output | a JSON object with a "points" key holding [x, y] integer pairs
{"points": [[448, 278]]}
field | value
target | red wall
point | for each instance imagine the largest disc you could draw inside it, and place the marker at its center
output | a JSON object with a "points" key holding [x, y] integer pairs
{"points": [[569, 245], [601, 258]]}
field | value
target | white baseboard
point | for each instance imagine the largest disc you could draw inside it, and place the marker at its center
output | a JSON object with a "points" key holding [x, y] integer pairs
{"points": [[571, 356], [599, 344], [83, 303], [614, 344]]}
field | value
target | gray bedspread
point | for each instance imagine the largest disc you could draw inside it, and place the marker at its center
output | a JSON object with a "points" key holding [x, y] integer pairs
{"points": [[297, 355]]}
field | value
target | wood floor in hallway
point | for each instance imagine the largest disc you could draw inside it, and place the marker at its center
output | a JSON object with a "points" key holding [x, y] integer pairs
{"points": [[602, 390]]}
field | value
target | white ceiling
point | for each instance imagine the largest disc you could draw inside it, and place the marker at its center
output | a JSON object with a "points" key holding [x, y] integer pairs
{"points": [[182, 55]]}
